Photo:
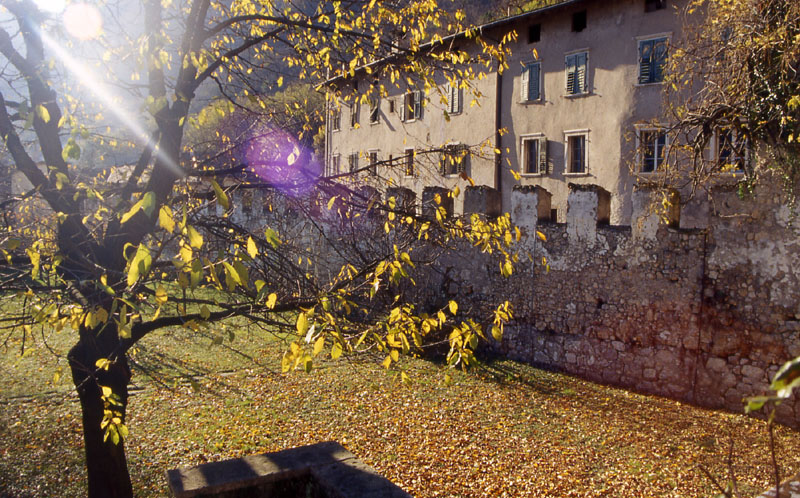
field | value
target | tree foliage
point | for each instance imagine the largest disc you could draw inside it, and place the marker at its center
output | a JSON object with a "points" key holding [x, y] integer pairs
{"points": [[735, 84], [111, 254]]}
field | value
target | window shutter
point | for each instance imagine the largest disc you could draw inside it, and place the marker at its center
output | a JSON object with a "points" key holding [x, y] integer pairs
{"points": [[457, 97], [463, 154], [533, 82], [403, 106], [645, 57], [659, 59], [581, 76], [526, 74], [543, 156], [571, 63], [418, 104]]}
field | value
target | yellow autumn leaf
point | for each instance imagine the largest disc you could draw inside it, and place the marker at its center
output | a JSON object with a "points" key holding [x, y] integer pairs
{"points": [[252, 250], [195, 239], [319, 345]]}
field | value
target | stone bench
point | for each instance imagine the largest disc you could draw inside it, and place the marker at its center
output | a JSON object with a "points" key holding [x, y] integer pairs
{"points": [[790, 488], [322, 470]]}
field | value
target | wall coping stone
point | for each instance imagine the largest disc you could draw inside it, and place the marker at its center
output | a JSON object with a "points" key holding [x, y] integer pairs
{"points": [[790, 488], [333, 468]]}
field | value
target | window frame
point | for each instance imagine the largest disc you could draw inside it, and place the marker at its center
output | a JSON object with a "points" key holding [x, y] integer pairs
{"points": [[541, 154], [336, 117], [640, 41], [658, 166], [576, 73], [452, 149], [525, 82], [411, 109], [334, 167], [568, 158], [408, 163], [580, 20], [454, 97], [352, 162], [534, 33], [654, 5], [742, 160], [355, 114], [373, 159]]}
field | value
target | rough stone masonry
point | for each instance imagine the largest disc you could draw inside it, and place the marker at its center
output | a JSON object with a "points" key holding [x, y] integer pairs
{"points": [[706, 315]]}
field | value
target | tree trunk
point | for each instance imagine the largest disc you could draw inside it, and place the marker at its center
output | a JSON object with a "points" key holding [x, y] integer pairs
{"points": [[105, 461]]}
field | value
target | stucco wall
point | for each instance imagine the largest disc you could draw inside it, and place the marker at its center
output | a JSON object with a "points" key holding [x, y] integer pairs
{"points": [[608, 113], [474, 126]]}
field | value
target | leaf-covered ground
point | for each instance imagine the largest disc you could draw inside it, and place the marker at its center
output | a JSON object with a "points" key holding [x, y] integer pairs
{"points": [[510, 431]]}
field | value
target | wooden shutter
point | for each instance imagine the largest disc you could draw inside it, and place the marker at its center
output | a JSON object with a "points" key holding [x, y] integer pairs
{"points": [[659, 60], [645, 59], [526, 74], [456, 97], [581, 62], [418, 104], [403, 106], [571, 62], [533, 82], [463, 155], [542, 156]]}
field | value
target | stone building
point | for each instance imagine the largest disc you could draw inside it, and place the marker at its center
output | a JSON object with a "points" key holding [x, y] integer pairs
{"points": [[578, 102]]}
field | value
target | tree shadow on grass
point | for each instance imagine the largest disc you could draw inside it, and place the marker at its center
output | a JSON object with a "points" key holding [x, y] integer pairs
{"points": [[499, 369]]}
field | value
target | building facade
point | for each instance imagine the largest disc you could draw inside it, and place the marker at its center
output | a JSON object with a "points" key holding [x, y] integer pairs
{"points": [[579, 102]]}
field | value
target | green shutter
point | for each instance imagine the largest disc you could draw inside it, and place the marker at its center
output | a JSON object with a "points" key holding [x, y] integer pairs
{"points": [[533, 82]]}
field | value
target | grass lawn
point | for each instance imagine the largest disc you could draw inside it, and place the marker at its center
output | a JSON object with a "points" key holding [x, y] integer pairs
{"points": [[510, 431]]}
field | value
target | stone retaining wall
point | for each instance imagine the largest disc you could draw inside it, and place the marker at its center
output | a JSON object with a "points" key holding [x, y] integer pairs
{"points": [[706, 315], [701, 305]]}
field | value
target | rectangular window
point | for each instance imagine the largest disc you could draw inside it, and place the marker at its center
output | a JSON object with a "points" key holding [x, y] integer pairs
{"points": [[579, 21], [391, 106], [531, 81], [355, 111], [576, 73], [412, 106], [373, 162], [336, 117], [375, 110], [654, 5], [409, 162], [534, 156], [453, 97], [352, 162], [652, 60], [333, 167], [732, 150], [534, 33], [454, 159], [576, 156], [652, 150]]}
